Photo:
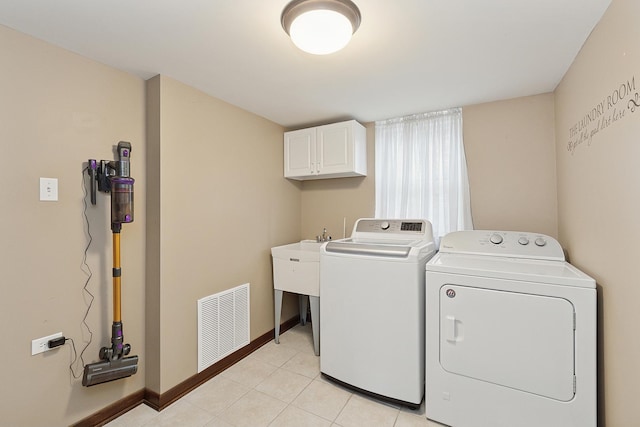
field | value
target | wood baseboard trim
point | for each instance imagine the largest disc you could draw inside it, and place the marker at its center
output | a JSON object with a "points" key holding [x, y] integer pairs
{"points": [[161, 401]]}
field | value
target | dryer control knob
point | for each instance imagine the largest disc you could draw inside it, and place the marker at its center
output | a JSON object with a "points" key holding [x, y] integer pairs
{"points": [[523, 240], [385, 225], [496, 239], [540, 242]]}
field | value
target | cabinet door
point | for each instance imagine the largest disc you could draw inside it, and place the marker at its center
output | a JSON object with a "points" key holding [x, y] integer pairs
{"points": [[335, 148], [300, 153]]}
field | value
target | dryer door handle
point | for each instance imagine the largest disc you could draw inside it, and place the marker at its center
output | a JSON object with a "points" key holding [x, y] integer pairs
{"points": [[450, 328]]}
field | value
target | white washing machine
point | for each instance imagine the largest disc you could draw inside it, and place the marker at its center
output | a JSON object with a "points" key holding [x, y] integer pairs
{"points": [[510, 333], [372, 308]]}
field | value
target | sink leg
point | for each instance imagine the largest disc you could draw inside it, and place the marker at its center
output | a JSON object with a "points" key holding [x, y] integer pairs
{"points": [[277, 300], [315, 323], [302, 306]]}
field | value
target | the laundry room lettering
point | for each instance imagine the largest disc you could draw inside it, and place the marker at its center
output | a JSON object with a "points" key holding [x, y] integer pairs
{"points": [[622, 101]]}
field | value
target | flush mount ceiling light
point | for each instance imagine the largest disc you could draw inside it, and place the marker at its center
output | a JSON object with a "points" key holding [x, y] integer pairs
{"points": [[320, 27]]}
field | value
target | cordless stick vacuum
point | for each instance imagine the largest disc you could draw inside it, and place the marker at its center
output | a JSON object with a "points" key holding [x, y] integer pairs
{"points": [[113, 177]]}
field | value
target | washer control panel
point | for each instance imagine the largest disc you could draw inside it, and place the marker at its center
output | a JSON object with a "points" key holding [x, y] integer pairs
{"points": [[513, 244], [394, 226]]}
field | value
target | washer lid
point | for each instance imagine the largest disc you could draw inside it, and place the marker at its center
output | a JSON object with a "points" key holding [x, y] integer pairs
{"points": [[380, 248], [530, 270]]}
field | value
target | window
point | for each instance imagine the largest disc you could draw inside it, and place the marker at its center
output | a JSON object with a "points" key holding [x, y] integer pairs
{"points": [[421, 171]]}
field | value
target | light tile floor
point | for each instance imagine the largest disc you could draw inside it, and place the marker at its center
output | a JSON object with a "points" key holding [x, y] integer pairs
{"points": [[278, 385]]}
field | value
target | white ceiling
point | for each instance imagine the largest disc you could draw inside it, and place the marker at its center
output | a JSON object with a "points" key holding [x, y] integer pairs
{"points": [[408, 56]]}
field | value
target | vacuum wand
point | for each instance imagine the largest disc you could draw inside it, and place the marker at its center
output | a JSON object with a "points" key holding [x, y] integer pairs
{"points": [[114, 177]]}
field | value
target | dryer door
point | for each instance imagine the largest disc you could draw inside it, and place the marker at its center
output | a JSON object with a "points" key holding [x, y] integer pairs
{"points": [[516, 340]]}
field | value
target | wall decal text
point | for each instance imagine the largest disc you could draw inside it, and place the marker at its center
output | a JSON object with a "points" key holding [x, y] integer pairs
{"points": [[622, 101]]}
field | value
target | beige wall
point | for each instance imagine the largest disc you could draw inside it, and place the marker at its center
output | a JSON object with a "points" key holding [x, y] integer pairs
{"points": [[598, 193], [510, 149], [57, 110], [332, 203], [222, 203], [153, 247]]}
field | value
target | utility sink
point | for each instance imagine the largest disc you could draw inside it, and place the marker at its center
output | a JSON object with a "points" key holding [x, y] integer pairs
{"points": [[296, 269], [303, 251]]}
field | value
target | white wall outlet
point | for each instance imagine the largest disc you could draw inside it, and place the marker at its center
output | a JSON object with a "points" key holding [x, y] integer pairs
{"points": [[40, 345], [49, 189]]}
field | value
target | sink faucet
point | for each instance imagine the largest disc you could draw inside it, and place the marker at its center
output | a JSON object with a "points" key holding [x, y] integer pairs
{"points": [[323, 237]]}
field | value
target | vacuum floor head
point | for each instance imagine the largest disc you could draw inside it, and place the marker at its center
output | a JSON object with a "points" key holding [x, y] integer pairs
{"points": [[109, 370]]}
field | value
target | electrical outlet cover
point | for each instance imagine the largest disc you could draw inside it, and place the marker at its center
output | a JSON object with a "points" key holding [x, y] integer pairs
{"points": [[49, 189], [40, 345]]}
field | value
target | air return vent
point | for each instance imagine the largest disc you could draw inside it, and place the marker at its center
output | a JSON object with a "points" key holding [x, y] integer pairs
{"points": [[223, 324]]}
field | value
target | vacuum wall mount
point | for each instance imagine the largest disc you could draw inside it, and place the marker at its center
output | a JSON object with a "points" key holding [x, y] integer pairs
{"points": [[114, 177]]}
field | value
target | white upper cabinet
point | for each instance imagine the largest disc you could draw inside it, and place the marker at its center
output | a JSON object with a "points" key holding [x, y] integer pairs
{"points": [[331, 151]]}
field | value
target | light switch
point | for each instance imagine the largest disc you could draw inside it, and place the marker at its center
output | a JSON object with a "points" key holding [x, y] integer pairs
{"points": [[49, 189]]}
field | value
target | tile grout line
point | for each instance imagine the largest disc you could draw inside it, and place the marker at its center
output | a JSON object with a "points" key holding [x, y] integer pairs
{"points": [[343, 407], [278, 368]]}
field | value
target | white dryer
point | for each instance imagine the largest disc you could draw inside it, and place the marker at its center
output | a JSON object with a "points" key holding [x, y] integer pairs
{"points": [[510, 333]]}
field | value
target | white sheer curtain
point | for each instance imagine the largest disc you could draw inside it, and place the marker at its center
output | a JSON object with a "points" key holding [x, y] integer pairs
{"points": [[421, 170]]}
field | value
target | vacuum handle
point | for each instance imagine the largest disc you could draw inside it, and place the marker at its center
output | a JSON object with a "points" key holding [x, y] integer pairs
{"points": [[93, 166], [124, 155]]}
